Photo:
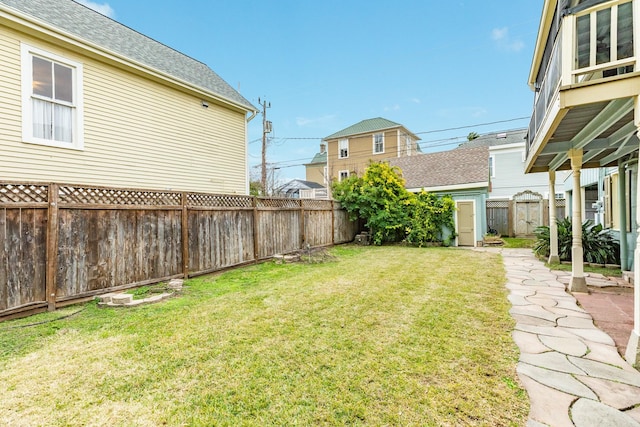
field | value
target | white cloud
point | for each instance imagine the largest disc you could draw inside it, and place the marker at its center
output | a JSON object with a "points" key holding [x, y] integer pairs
{"points": [[103, 8], [416, 100], [395, 107], [504, 41]]}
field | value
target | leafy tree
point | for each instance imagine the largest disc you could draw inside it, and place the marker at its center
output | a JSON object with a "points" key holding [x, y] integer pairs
{"points": [[392, 213], [379, 197]]}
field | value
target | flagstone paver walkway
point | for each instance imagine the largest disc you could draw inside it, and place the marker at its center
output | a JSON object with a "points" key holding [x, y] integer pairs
{"points": [[571, 370]]}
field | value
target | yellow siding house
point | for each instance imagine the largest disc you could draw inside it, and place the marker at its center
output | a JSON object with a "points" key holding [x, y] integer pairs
{"points": [[84, 99], [350, 150]]}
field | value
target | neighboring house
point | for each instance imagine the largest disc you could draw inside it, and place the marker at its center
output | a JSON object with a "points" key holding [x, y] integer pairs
{"points": [[507, 152], [86, 100], [462, 173], [300, 189], [350, 150], [587, 114], [516, 200], [316, 170]]}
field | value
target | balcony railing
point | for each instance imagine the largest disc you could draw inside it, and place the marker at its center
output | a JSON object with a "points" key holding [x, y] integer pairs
{"points": [[598, 43], [547, 90]]}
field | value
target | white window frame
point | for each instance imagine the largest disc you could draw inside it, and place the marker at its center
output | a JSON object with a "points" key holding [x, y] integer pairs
{"points": [[343, 174], [492, 166], [343, 144], [77, 142], [381, 134], [408, 143]]}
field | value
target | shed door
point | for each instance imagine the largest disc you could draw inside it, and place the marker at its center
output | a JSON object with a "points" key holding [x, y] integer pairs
{"points": [[466, 224]]}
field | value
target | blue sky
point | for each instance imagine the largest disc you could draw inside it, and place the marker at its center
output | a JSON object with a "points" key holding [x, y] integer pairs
{"points": [[325, 65]]}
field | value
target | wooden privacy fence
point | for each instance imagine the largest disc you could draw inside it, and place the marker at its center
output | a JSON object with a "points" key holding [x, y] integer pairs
{"points": [[63, 243], [501, 214]]}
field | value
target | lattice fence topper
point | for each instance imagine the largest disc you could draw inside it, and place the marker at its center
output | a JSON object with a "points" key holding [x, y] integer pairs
{"points": [[278, 203], [111, 196], [316, 204], [219, 201], [498, 203], [528, 196], [24, 193]]}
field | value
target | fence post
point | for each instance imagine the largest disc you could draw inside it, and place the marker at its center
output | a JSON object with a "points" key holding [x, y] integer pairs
{"points": [[52, 246], [255, 228], [333, 223], [511, 221], [185, 236], [302, 225]]}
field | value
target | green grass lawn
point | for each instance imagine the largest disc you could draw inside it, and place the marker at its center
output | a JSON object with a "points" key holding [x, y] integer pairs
{"points": [[379, 336]]}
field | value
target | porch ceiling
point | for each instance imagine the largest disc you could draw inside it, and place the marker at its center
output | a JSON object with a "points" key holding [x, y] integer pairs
{"points": [[604, 130]]}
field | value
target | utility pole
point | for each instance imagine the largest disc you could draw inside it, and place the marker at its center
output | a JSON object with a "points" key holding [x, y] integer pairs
{"points": [[266, 128]]}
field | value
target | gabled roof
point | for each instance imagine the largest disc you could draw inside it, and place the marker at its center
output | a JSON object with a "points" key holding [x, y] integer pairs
{"points": [[299, 184], [515, 136], [459, 168], [318, 159], [367, 126], [90, 26]]}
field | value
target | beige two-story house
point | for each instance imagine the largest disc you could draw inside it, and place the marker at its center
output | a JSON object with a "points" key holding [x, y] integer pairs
{"points": [[350, 150], [585, 75], [87, 100]]}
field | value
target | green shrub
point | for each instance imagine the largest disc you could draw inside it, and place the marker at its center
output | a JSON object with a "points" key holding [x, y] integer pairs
{"points": [[430, 219], [393, 214], [598, 244]]}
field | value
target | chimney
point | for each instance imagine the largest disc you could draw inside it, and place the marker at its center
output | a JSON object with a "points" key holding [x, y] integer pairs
{"points": [[323, 148]]}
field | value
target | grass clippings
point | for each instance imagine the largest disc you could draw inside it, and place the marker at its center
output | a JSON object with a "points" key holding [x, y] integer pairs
{"points": [[379, 336]]}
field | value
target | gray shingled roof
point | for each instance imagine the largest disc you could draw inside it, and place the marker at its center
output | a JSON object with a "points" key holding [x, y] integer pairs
{"points": [[365, 126], [100, 30], [446, 168], [515, 136]]}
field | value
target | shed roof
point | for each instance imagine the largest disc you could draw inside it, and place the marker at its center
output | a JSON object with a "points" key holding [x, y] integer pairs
{"points": [[462, 166], [90, 26], [366, 126]]}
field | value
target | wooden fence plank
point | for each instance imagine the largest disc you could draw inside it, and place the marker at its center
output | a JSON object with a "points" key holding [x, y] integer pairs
{"points": [[4, 261]]}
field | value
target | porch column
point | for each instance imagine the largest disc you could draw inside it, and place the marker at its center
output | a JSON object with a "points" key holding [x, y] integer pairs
{"points": [[633, 347], [622, 215], [553, 225], [578, 282]]}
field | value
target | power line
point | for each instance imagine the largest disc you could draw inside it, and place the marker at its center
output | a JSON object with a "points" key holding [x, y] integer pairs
{"points": [[476, 125], [420, 133]]}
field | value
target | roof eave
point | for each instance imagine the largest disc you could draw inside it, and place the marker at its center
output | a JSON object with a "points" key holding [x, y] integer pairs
{"points": [[452, 187], [541, 40], [50, 31], [370, 131]]}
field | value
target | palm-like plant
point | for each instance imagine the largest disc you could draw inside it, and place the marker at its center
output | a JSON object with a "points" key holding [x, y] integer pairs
{"points": [[598, 244]]}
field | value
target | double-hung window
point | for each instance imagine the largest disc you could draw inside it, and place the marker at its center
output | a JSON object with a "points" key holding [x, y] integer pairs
{"points": [[342, 175], [51, 99], [378, 143], [343, 148]]}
